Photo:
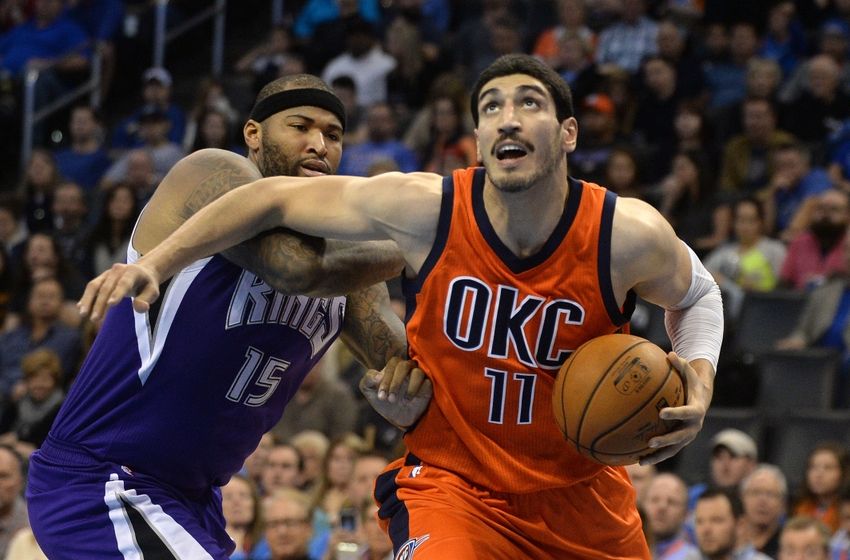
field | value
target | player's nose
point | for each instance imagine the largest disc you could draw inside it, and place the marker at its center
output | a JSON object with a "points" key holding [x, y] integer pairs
{"points": [[316, 143]]}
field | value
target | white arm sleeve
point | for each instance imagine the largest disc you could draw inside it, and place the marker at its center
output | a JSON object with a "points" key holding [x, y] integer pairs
{"points": [[695, 324]]}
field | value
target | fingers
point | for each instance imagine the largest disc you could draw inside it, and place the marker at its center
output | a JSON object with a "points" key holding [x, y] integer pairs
{"points": [[115, 284]]}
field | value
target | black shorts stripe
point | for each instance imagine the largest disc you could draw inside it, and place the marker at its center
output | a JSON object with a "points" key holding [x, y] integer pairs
{"points": [[149, 542]]}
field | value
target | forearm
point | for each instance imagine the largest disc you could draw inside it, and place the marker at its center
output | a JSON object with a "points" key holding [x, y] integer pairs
{"points": [[372, 330]]}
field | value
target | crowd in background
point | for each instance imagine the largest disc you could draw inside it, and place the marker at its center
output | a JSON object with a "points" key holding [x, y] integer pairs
{"points": [[731, 118]]}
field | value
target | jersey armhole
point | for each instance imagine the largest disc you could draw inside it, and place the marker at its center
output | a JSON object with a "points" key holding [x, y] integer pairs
{"points": [[411, 286], [603, 260]]}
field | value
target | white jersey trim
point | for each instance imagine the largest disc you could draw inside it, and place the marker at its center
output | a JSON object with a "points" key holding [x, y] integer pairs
{"points": [[175, 537]]}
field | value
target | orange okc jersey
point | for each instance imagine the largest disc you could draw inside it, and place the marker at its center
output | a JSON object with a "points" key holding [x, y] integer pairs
{"points": [[492, 330]]}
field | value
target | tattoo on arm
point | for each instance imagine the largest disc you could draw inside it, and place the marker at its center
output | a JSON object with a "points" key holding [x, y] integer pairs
{"points": [[219, 177], [372, 330]]}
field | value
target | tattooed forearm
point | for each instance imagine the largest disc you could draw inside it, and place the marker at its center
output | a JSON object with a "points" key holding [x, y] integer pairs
{"points": [[372, 331]]}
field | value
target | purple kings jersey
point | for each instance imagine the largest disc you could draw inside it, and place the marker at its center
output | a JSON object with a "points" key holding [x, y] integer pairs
{"points": [[185, 391]]}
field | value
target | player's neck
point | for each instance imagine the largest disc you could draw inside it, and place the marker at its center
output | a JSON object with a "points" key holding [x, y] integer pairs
{"points": [[525, 220]]}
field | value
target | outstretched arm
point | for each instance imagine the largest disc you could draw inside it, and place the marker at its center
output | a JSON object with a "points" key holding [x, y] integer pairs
{"points": [[648, 258]]}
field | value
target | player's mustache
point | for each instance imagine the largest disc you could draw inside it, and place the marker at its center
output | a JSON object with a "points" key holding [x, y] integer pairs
{"points": [[513, 138]]}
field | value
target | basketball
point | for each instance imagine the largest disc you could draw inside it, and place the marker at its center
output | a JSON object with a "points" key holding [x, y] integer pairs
{"points": [[607, 396]]}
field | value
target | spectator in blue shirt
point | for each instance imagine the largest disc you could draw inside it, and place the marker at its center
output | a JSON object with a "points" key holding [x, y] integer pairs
{"points": [[383, 144], [156, 93], [85, 160]]}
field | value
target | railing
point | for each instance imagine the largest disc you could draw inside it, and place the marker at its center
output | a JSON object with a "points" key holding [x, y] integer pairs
{"points": [[162, 36], [32, 116]]}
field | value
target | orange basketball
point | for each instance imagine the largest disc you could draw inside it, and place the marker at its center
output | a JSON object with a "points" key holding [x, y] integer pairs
{"points": [[608, 394]]}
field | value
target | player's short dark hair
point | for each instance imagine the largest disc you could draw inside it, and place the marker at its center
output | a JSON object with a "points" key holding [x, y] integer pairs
{"points": [[525, 64], [294, 81]]}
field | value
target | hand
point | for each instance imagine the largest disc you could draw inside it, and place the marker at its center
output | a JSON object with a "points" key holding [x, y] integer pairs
{"points": [[400, 393], [122, 280], [687, 418]]}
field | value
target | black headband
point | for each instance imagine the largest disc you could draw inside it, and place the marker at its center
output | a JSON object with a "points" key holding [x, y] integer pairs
{"points": [[301, 97]]}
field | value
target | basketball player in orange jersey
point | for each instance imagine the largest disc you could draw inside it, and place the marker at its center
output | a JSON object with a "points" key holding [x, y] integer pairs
{"points": [[509, 268]]}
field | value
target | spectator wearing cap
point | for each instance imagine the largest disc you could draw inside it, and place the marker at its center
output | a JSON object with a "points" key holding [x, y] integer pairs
{"points": [[599, 137], [156, 95], [154, 126], [734, 455]]}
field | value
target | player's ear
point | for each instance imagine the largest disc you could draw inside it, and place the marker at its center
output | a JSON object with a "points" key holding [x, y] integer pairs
{"points": [[569, 133], [253, 134]]}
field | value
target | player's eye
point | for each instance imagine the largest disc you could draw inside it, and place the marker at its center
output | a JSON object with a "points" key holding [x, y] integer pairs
{"points": [[490, 107], [530, 102], [299, 127], [333, 136]]}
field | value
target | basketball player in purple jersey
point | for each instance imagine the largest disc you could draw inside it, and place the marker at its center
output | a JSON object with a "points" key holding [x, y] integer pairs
{"points": [[170, 402]]}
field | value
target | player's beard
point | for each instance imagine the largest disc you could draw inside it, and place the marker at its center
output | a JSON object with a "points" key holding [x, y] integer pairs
{"points": [[516, 181], [274, 161]]}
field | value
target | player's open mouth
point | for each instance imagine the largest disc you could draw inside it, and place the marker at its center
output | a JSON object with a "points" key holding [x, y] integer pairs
{"points": [[510, 151], [315, 168]]}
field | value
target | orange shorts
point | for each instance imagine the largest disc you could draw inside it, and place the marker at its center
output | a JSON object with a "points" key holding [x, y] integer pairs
{"points": [[431, 513]]}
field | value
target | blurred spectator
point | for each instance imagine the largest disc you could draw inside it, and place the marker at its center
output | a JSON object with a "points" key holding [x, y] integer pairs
{"points": [[833, 41], [316, 12], [363, 60], [264, 61], [156, 97], [256, 461], [672, 41], [626, 43], [747, 156], [688, 201], [621, 174], [40, 179], [827, 472], [382, 143], [817, 112], [818, 252], [717, 517], [154, 126], [85, 160], [5, 286], [793, 182], [641, 476], [764, 493], [110, 236], [694, 133], [785, 39], [839, 159], [282, 469], [210, 98], [418, 134], [334, 485], [762, 81], [655, 114], [481, 39], [408, 81], [839, 546], [242, 510], [734, 455], [321, 403], [102, 19], [70, 228], [726, 79], [355, 121], [215, 130], [749, 263], [378, 543], [451, 147], [42, 258], [328, 40], [574, 62], [140, 175], [288, 531], [313, 446], [598, 138], [666, 507], [13, 229], [30, 416], [804, 537], [367, 468], [40, 328], [13, 508], [571, 21], [14, 12]]}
